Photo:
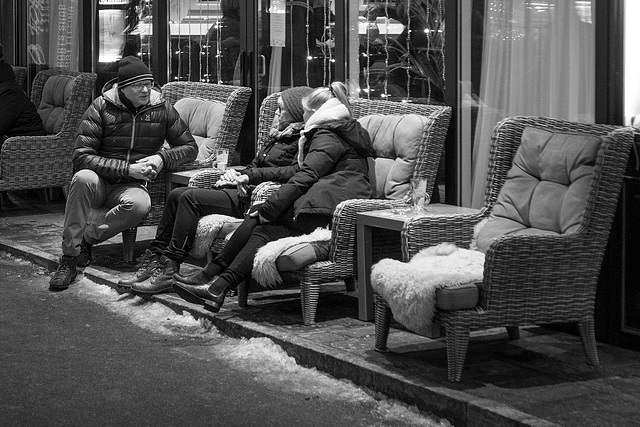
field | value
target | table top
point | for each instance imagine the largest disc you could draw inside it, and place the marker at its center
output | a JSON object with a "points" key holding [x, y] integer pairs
{"points": [[386, 218]]}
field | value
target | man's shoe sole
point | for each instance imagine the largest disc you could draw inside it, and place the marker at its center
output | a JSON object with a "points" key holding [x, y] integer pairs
{"points": [[145, 292]]}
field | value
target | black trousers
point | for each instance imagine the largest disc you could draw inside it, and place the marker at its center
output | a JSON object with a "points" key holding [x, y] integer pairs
{"points": [[183, 209]]}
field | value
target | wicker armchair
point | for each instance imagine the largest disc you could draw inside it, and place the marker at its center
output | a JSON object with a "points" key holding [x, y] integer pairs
{"points": [[29, 162], [342, 263], [236, 99], [21, 76], [528, 279]]}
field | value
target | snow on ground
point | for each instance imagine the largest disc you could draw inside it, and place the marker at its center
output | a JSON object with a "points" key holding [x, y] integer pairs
{"points": [[269, 363]]}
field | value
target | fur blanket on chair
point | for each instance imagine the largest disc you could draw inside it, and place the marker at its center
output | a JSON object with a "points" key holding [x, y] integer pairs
{"points": [[208, 228], [265, 271], [410, 288]]}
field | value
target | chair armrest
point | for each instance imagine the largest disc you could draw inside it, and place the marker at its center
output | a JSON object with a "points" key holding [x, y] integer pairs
{"points": [[205, 178], [343, 228], [28, 158], [423, 231], [263, 191], [528, 269]]}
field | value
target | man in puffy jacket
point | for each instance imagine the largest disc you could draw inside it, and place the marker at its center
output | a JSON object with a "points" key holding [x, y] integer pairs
{"points": [[119, 148]]}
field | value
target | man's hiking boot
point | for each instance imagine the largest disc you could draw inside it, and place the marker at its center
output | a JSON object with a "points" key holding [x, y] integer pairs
{"points": [[65, 273]]}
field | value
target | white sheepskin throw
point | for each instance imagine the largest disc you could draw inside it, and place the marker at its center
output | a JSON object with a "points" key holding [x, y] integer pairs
{"points": [[264, 264], [208, 228], [410, 288]]}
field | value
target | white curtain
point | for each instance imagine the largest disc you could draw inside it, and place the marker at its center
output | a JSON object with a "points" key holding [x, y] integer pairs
{"points": [[538, 59]]}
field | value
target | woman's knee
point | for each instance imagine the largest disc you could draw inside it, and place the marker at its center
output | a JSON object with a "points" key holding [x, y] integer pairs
{"points": [[176, 194]]}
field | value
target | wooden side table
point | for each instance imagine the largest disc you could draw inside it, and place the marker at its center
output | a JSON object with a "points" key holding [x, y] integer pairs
{"points": [[179, 179], [367, 222]]}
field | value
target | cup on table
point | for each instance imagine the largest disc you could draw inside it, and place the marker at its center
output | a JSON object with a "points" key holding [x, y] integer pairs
{"points": [[222, 158], [419, 196]]}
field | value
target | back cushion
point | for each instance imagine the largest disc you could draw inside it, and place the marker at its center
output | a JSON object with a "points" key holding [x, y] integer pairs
{"points": [[204, 118], [547, 187], [55, 93], [396, 140]]}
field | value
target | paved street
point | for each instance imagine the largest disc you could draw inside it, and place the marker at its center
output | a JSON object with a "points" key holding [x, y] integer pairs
{"points": [[89, 356]]}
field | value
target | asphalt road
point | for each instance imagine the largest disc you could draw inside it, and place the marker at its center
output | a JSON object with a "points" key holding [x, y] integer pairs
{"points": [[67, 360]]}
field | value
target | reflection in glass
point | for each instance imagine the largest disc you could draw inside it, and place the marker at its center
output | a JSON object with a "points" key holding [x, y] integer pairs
{"points": [[205, 41], [52, 36], [402, 50], [124, 28], [297, 44]]}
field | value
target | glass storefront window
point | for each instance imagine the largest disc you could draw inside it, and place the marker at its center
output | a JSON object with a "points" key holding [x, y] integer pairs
{"points": [[631, 63], [205, 40], [296, 44], [124, 28], [52, 36], [520, 57], [400, 49]]}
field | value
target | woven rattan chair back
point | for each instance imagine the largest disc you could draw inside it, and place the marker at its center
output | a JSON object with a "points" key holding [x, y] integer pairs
{"points": [[46, 161]]}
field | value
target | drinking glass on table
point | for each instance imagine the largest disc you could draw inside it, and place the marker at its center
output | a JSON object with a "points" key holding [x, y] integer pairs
{"points": [[419, 196], [222, 158]]}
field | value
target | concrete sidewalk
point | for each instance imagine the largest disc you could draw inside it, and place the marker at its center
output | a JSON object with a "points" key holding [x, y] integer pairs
{"points": [[541, 379]]}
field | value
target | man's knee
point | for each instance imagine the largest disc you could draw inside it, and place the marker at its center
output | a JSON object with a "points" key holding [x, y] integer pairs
{"points": [[136, 208], [84, 178]]}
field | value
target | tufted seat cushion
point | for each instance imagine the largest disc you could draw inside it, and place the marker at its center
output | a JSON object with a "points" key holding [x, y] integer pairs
{"points": [[204, 118], [396, 141], [547, 187], [55, 93]]}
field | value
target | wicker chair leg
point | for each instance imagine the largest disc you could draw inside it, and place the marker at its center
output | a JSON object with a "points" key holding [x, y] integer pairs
{"points": [[128, 243], [457, 342], [309, 294], [514, 332], [382, 322], [243, 293], [588, 335]]}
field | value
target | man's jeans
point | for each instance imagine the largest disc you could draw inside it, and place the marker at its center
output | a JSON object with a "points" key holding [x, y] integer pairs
{"points": [[127, 204]]}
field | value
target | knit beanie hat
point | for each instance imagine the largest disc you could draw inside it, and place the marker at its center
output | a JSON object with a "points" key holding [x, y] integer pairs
{"points": [[292, 101], [132, 70]]}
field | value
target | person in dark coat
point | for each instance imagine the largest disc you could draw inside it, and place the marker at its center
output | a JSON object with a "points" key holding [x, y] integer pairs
{"points": [[18, 115], [185, 205], [118, 149], [332, 167]]}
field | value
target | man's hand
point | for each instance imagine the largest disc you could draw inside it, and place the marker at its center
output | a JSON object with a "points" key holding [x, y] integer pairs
{"points": [[228, 178], [255, 212], [142, 172], [242, 181], [155, 162]]}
